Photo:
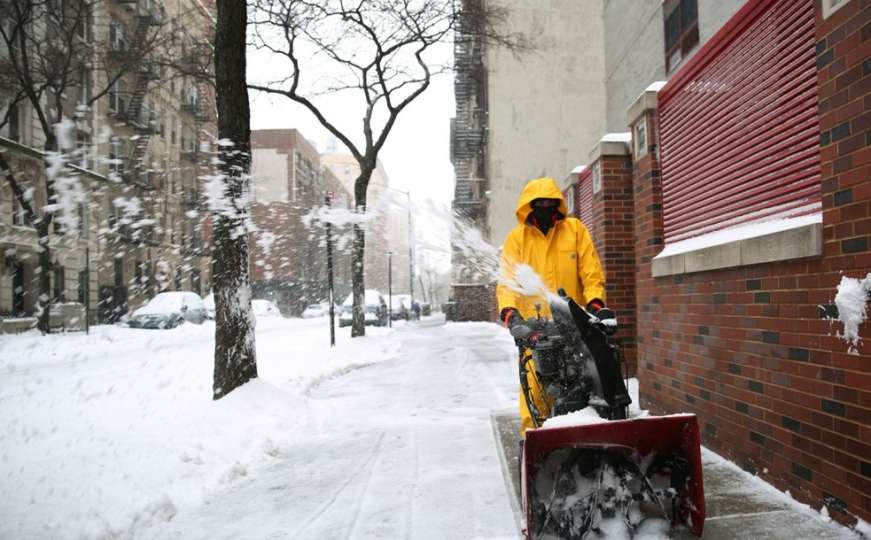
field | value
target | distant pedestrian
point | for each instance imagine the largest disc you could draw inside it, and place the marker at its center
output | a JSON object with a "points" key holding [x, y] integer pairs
{"points": [[415, 309]]}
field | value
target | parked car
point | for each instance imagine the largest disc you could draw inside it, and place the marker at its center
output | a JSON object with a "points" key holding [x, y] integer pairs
{"points": [[400, 307], [168, 310], [375, 310], [265, 308], [316, 310]]}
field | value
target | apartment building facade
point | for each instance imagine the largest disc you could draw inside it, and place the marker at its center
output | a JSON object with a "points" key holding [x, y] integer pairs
{"points": [[289, 183], [141, 123]]}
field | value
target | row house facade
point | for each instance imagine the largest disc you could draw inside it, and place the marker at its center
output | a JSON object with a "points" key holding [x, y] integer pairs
{"points": [[141, 149]]}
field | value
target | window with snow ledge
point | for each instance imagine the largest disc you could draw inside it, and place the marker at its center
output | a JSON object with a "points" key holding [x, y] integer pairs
{"points": [[756, 243]]}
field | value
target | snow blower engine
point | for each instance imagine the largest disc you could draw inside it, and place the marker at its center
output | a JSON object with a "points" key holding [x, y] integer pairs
{"points": [[594, 471]]}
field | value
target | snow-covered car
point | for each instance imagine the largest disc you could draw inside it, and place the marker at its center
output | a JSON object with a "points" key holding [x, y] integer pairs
{"points": [[264, 308], [375, 313], [400, 307], [209, 303], [168, 310], [316, 310]]}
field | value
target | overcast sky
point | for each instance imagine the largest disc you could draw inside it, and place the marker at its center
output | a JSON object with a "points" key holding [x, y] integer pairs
{"points": [[416, 155]]}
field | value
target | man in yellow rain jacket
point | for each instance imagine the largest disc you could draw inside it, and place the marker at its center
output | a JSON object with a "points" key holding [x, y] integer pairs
{"points": [[559, 249]]}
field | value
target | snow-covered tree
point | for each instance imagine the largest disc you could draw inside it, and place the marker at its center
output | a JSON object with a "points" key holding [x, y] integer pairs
{"points": [[235, 355]]}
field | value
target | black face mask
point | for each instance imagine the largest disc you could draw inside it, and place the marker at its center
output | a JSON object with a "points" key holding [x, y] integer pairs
{"points": [[544, 215]]}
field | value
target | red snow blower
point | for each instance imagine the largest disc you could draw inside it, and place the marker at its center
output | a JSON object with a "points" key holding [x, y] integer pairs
{"points": [[596, 472]]}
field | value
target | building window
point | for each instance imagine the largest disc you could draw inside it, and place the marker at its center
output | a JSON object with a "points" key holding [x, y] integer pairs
{"points": [[14, 123], [640, 138], [83, 287], [196, 282], [681, 30], [119, 272], [59, 284]]}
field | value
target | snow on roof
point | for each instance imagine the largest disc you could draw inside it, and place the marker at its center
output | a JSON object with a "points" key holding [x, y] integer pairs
{"points": [[624, 136], [735, 234], [656, 87], [579, 169], [372, 297]]}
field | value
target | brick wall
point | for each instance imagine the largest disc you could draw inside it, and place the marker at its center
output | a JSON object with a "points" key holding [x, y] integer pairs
{"points": [[611, 227], [472, 303], [751, 350]]}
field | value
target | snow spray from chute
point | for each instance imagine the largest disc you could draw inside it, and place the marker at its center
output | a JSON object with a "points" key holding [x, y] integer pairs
{"points": [[852, 298], [474, 259]]}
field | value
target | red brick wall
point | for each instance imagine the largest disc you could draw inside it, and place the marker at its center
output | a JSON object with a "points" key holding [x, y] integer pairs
{"points": [[612, 228], [750, 350]]}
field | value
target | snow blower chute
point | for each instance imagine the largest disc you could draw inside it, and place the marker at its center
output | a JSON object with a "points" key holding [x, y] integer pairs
{"points": [[594, 471]]}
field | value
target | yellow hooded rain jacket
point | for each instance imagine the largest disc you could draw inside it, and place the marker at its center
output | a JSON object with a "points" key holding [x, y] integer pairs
{"points": [[564, 258]]}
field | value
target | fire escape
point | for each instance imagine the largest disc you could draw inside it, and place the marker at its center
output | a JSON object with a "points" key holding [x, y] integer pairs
{"points": [[469, 126], [132, 108], [196, 104]]}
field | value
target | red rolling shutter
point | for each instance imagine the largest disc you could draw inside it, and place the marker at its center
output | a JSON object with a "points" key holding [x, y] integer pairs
{"points": [[739, 124]]}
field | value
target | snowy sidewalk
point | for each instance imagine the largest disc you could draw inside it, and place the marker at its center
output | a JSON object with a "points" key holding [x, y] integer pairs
{"points": [[739, 505], [398, 449]]}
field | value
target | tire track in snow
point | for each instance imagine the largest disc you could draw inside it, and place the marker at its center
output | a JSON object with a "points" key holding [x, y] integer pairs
{"points": [[367, 463]]}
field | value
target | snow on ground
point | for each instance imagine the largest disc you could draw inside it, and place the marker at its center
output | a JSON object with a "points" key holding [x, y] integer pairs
{"points": [[108, 432]]}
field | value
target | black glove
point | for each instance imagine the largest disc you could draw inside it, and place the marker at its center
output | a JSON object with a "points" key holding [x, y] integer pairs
{"points": [[520, 331], [607, 319]]}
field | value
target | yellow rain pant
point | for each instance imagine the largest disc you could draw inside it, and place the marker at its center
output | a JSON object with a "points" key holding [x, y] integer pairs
{"points": [[540, 399]]}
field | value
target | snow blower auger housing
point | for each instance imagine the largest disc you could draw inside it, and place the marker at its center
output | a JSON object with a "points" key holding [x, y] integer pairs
{"points": [[601, 473]]}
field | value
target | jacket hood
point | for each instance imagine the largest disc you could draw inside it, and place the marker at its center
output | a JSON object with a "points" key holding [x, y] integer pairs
{"points": [[540, 188]]}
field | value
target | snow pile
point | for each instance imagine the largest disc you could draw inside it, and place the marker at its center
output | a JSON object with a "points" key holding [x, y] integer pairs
{"points": [[589, 415], [108, 433], [583, 417], [734, 234], [656, 86], [623, 136], [852, 299]]}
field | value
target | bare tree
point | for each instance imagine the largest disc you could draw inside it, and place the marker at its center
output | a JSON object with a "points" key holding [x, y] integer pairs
{"points": [[50, 59], [377, 49], [235, 358]]}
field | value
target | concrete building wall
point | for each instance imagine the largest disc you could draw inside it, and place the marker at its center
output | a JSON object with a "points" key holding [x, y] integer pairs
{"points": [[546, 107], [635, 48], [269, 175]]}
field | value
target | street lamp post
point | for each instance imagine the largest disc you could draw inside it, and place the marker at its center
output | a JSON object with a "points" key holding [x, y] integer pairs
{"points": [[329, 231], [390, 289]]}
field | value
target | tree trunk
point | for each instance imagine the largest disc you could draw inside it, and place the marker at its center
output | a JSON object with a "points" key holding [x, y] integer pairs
{"points": [[43, 228], [358, 284], [43, 269], [235, 358]]}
